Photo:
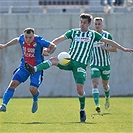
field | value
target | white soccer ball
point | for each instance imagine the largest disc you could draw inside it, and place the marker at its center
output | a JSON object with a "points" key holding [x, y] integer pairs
{"points": [[64, 58]]}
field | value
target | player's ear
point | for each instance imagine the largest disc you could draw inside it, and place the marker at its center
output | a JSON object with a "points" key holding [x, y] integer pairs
{"points": [[89, 23]]}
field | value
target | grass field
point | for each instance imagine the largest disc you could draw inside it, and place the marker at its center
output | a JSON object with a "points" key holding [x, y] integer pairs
{"points": [[62, 115]]}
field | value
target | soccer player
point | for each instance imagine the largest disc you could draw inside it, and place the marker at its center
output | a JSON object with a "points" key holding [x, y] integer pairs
{"points": [[32, 46], [100, 64], [80, 51]]}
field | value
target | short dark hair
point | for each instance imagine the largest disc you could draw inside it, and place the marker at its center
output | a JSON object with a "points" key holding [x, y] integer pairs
{"points": [[86, 16], [29, 30]]}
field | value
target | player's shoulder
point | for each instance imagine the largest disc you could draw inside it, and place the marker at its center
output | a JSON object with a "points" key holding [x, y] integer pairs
{"points": [[92, 31], [38, 37], [21, 37], [105, 32], [76, 29]]}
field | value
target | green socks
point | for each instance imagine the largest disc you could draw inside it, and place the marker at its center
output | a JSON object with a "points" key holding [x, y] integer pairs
{"points": [[82, 101], [44, 65], [95, 94], [107, 92]]}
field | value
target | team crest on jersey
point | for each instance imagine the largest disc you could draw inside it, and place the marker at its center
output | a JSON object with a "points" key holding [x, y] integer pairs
{"points": [[34, 44], [90, 34]]}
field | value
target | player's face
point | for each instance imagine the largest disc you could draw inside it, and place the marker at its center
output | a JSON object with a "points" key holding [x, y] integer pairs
{"points": [[28, 37], [98, 25], [83, 24]]}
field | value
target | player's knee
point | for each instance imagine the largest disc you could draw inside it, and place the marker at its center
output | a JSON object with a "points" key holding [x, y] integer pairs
{"points": [[95, 84], [33, 90], [14, 84], [105, 86], [80, 90]]}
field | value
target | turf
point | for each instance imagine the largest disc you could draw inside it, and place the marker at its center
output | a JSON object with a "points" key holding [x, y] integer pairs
{"points": [[62, 115]]}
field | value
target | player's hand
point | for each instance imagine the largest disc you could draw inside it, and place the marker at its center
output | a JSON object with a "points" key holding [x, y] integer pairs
{"points": [[2, 46], [128, 50], [103, 47], [45, 52]]}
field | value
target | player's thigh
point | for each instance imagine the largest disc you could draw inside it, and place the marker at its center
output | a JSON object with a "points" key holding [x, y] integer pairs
{"points": [[95, 72], [36, 79], [105, 74], [79, 73], [20, 74]]}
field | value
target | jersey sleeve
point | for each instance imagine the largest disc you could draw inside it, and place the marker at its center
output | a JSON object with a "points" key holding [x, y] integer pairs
{"points": [[21, 39], [98, 36], [110, 37], [42, 41], [68, 34]]}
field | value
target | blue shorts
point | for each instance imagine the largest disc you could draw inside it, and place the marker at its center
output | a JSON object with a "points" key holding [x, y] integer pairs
{"points": [[21, 75]]}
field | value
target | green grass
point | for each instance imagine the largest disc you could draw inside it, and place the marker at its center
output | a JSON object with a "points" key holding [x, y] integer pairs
{"points": [[62, 115]]}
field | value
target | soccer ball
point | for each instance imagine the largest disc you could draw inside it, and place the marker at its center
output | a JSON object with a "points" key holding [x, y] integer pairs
{"points": [[64, 58]]}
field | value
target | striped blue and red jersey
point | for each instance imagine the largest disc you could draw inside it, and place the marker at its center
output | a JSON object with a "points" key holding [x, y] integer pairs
{"points": [[32, 53]]}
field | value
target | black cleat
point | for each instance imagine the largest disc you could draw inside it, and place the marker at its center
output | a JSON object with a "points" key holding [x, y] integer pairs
{"points": [[29, 68], [82, 116], [98, 109]]}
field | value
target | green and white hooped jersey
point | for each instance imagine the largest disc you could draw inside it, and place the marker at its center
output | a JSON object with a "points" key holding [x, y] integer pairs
{"points": [[101, 57], [82, 44]]}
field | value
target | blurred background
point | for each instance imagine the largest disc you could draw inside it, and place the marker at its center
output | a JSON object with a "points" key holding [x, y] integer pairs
{"points": [[51, 18]]}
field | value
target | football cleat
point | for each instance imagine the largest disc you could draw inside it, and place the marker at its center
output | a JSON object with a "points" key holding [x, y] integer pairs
{"points": [[82, 116], [34, 107], [2, 108], [29, 68], [107, 103], [98, 109]]}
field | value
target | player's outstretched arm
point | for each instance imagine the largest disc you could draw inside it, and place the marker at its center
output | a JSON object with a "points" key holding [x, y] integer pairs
{"points": [[59, 39], [109, 49], [12, 42], [116, 45], [51, 49]]}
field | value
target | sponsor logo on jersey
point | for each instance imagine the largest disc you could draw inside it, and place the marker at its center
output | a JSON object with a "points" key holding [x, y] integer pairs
{"points": [[80, 39], [80, 69], [106, 72], [34, 44]]}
